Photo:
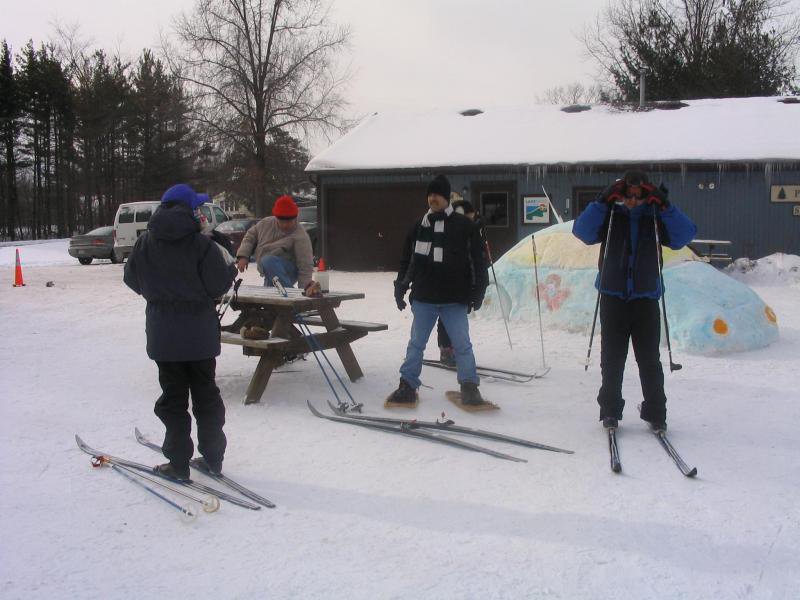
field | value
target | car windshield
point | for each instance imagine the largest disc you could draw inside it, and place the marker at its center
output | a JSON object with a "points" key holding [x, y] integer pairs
{"points": [[231, 226], [308, 214]]}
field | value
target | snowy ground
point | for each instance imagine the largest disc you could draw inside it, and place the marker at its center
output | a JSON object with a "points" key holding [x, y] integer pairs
{"points": [[365, 514]]}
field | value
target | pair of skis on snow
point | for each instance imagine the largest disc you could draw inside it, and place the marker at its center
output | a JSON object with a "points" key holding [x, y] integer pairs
{"points": [[251, 500], [616, 464], [433, 431], [493, 373]]}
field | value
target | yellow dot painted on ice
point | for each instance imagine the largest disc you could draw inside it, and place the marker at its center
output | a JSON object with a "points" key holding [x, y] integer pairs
{"points": [[771, 316], [720, 327]]}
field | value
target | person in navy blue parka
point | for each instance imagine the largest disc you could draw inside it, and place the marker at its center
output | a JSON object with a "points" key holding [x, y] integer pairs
{"points": [[181, 272], [629, 282]]}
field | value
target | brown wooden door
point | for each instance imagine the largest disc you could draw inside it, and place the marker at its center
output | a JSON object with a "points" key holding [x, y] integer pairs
{"points": [[367, 225], [497, 203]]}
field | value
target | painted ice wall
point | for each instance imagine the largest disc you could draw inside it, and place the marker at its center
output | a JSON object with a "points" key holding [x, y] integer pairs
{"points": [[709, 312]]}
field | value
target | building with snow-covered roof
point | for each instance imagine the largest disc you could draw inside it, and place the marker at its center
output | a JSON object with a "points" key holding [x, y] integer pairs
{"points": [[732, 164]]}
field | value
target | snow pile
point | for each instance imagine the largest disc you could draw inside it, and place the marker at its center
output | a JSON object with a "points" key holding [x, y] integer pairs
{"points": [[709, 312], [775, 269]]}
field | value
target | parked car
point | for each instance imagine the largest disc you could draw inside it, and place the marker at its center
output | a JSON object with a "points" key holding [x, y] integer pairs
{"points": [[132, 219], [98, 243], [235, 229]]}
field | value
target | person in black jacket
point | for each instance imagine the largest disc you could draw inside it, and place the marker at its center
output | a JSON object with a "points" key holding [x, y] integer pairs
{"points": [[447, 355], [180, 272], [629, 283], [443, 263]]}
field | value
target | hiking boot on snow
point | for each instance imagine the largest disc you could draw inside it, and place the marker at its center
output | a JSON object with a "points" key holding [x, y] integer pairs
{"points": [[171, 471], [470, 395], [404, 394], [447, 356], [610, 422]]}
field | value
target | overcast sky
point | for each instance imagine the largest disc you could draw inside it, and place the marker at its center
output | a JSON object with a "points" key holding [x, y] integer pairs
{"points": [[405, 53]]}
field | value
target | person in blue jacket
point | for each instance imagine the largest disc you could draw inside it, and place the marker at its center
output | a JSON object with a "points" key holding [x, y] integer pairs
{"points": [[180, 272], [629, 283]]}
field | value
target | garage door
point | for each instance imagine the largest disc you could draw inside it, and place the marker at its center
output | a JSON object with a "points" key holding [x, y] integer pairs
{"points": [[366, 226]]}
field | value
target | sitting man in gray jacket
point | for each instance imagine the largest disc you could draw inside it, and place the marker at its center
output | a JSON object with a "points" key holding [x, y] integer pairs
{"points": [[282, 247]]}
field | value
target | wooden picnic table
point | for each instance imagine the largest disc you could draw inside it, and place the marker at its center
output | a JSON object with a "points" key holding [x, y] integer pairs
{"points": [[708, 254], [285, 314]]}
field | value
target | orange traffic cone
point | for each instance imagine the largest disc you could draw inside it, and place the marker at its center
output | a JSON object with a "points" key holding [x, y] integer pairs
{"points": [[321, 264], [18, 273]]}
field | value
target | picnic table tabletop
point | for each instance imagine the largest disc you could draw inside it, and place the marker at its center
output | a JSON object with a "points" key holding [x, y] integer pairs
{"points": [[259, 294]]}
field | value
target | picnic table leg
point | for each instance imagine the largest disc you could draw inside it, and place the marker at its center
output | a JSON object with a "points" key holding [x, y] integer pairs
{"points": [[344, 350], [260, 380]]}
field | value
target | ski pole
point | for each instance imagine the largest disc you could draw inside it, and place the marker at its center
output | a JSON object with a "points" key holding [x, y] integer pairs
{"points": [[599, 285], [226, 302], [673, 366], [210, 503], [499, 297], [189, 513], [538, 301], [315, 347]]}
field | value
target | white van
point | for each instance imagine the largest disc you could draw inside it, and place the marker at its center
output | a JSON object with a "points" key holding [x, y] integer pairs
{"points": [[132, 219]]}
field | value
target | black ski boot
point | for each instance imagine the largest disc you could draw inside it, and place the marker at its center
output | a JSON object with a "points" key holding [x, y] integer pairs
{"points": [[470, 395], [404, 394], [610, 422], [214, 468], [657, 426], [172, 472]]}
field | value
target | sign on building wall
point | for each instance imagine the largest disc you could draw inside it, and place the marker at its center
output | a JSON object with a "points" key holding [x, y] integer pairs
{"points": [[785, 193], [535, 210]]}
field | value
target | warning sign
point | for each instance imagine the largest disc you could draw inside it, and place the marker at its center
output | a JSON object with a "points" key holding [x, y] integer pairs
{"points": [[785, 193]]}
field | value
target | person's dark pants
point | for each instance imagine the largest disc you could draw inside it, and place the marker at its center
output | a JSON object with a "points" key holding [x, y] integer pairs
{"points": [[640, 322], [441, 334], [177, 379]]}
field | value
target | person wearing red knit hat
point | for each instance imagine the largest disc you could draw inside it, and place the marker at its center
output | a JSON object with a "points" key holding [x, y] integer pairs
{"points": [[282, 248]]}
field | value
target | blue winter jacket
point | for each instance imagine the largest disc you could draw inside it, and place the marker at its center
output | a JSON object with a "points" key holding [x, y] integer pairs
{"points": [[180, 272], [632, 268]]}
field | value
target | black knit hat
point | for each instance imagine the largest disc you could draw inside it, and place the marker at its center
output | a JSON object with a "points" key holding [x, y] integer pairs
{"points": [[635, 178], [440, 185]]}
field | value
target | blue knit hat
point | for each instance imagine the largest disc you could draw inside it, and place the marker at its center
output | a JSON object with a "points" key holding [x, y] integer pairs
{"points": [[184, 193]]}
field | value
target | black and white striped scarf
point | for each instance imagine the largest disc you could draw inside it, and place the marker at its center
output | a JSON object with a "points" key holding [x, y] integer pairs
{"points": [[430, 235]]}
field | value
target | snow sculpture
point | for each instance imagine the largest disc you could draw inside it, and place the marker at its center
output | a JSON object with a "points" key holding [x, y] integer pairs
{"points": [[709, 312]]}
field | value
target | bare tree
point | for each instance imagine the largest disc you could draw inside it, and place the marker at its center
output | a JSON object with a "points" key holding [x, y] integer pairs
{"points": [[254, 68], [696, 48], [572, 93]]}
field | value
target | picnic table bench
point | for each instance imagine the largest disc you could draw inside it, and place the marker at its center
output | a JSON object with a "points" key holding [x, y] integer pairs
{"points": [[705, 250], [284, 315]]}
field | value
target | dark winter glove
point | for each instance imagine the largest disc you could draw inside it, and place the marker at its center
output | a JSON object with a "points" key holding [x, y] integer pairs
{"points": [[475, 301], [312, 290], [656, 195], [400, 290], [613, 193]]}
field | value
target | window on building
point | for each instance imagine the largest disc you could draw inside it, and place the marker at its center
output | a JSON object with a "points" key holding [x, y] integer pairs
{"points": [[582, 196], [494, 209]]}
